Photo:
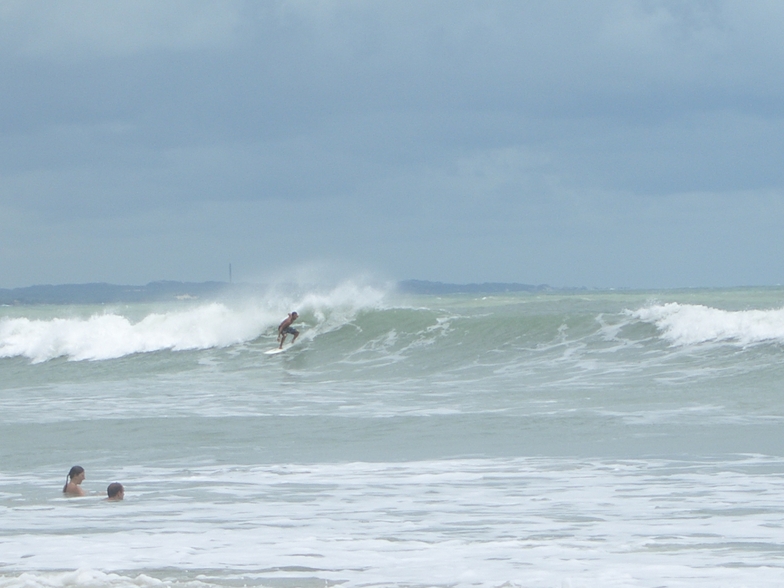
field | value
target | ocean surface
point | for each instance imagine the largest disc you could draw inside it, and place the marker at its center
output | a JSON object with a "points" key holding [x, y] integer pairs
{"points": [[568, 439]]}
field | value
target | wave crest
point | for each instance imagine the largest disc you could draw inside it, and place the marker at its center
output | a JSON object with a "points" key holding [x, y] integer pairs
{"points": [[111, 335], [690, 324]]}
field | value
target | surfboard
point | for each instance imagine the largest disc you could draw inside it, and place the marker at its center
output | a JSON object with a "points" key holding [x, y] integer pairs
{"points": [[276, 351]]}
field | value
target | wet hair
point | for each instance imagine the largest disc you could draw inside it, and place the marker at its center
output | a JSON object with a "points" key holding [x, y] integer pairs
{"points": [[114, 489], [72, 473]]}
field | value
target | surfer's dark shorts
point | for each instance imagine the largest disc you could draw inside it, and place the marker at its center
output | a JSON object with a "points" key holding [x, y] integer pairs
{"points": [[291, 331]]}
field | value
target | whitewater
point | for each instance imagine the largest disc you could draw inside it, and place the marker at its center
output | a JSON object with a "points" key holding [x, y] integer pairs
{"points": [[542, 439]]}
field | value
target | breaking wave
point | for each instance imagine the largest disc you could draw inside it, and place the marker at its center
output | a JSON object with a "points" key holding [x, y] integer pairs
{"points": [[111, 334], [689, 324]]}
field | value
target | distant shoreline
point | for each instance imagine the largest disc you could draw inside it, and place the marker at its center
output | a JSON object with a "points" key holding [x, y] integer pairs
{"points": [[102, 293], [172, 291]]}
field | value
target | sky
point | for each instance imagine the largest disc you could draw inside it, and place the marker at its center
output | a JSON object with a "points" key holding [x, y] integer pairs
{"points": [[612, 144]]}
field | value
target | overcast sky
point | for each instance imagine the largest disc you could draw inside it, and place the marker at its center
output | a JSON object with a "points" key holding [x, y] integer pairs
{"points": [[620, 143]]}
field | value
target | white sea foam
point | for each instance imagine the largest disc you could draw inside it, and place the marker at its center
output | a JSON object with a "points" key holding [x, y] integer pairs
{"points": [[534, 522], [111, 334], [88, 578], [689, 324]]}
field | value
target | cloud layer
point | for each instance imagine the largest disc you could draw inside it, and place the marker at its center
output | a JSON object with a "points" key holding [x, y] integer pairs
{"points": [[622, 144]]}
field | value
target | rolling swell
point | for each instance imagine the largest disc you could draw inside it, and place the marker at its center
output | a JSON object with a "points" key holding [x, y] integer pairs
{"points": [[365, 330]]}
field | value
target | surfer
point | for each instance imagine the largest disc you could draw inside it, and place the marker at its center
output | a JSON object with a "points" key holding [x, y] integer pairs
{"points": [[285, 328], [75, 478]]}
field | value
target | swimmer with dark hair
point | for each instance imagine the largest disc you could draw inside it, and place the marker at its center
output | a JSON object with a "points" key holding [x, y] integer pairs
{"points": [[115, 491], [72, 484]]}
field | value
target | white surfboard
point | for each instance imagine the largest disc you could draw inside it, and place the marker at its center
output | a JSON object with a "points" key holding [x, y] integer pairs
{"points": [[276, 351]]}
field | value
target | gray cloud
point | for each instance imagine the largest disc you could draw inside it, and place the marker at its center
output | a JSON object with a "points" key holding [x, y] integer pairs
{"points": [[457, 141]]}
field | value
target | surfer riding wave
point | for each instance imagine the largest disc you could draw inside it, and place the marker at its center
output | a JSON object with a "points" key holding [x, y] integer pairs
{"points": [[285, 328]]}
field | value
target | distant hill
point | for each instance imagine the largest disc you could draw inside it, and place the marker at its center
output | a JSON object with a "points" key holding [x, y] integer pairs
{"points": [[110, 293], [425, 287], [167, 290]]}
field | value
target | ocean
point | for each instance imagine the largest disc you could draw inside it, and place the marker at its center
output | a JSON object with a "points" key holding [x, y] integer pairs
{"points": [[531, 439]]}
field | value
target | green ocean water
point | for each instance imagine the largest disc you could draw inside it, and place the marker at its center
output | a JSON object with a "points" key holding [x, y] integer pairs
{"points": [[534, 439]]}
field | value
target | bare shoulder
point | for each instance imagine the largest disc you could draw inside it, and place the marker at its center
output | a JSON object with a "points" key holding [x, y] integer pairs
{"points": [[73, 490]]}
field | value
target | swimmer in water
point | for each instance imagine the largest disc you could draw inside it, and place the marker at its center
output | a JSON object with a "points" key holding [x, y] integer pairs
{"points": [[73, 482], [115, 491]]}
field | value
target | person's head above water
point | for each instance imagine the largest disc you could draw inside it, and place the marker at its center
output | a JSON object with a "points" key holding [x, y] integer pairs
{"points": [[115, 491], [75, 471], [75, 477], [294, 313]]}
